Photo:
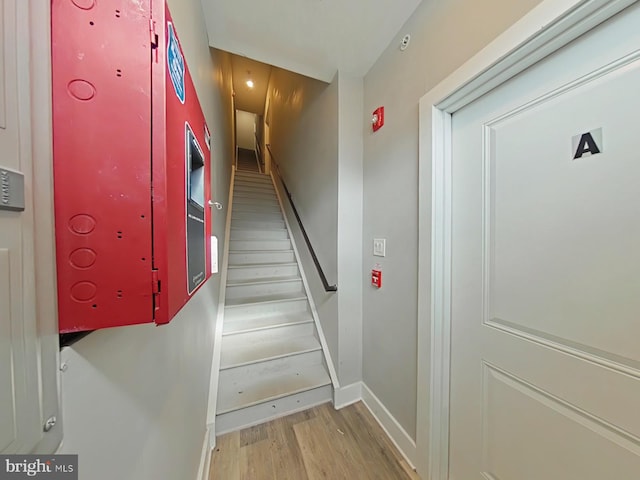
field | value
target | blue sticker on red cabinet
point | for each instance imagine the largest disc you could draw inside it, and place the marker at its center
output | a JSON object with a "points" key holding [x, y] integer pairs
{"points": [[175, 64]]}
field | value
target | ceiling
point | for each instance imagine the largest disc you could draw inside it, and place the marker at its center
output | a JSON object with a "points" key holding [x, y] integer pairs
{"points": [[311, 37], [250, 99]]}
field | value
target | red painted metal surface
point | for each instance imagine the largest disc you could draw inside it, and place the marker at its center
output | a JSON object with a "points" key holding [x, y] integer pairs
{"points": [[102, 123], [119, 166], [171, 116]]}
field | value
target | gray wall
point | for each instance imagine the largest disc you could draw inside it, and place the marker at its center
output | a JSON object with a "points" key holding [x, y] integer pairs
{"points": [[303, 132], [135, 398], [444, 34], [350, 283], [245, 136]]}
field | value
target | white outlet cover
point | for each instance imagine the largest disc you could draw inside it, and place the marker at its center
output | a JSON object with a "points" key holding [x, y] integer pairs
{"points": [[379, 247]]}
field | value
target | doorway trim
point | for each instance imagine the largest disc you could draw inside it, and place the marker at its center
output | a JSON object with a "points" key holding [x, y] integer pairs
{"points": [[547, 28]]}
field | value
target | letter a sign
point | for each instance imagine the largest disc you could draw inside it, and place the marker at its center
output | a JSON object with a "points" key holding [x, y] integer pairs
{"points": [[587, 144]]}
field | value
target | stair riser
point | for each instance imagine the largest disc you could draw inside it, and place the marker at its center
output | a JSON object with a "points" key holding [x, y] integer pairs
{"points": [[257, 189], [252, 182], [232, 376], [236, 313], [252, 176], [246, 258], [246, 207], [257, 216], [259, 272], [251, 201], [247, 192], [239, 291], [238, 245], [269, 211], [251, 187], [256, 199], [260, 323], [249, 225], [264, 412], [287, 332], [259, 234]]}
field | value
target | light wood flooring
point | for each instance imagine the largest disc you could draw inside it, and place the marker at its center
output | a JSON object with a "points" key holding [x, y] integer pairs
{"points": [[320, 443]]}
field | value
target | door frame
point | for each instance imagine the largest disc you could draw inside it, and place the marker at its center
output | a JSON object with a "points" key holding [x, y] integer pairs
{"points": [[545, 29]]}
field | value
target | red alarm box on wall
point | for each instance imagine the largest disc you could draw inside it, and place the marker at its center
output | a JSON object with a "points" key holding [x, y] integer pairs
{"points": [[131, 166]]}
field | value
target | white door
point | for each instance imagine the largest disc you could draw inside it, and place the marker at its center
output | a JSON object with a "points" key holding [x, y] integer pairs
{"points": [[20, 417], [545, 366]]}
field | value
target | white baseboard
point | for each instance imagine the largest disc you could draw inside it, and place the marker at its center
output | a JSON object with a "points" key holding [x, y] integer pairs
{"points": [[348, 395], [400, 438], [211, 428], [205, 457]]}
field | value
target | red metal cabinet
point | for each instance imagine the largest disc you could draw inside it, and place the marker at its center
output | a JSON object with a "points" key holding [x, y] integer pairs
{"points": [[131, 166]]}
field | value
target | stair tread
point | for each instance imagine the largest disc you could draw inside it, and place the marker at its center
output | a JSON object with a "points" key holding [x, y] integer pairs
{"points": [[257, 175], [264, 280], [258, 216], [268, 233], [256, 189], [268, 214], [253, 178], [270, 200], [259, 245], [253, 224], [265, 321], [257, 224], [250, 183], [271, 387], [262, 196], [248, 207], [240, 350], [249, 193], [264, 265], [277, 297], [288, 250]]}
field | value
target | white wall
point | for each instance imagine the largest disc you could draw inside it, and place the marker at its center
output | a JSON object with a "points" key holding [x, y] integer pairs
{"points": [[350, 280], [245, 134], [303, 133], [316, 136], [443, 36], [135, 398]]}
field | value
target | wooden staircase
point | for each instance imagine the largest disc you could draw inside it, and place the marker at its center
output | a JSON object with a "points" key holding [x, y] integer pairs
{"points": [[272, 362]]}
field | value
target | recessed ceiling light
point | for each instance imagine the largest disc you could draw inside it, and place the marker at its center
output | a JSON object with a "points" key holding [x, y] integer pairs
{"points": [[250, 83]]}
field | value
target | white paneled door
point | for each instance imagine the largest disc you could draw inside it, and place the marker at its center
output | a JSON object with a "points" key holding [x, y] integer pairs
{"points": [[20, 416], [545, 364]]}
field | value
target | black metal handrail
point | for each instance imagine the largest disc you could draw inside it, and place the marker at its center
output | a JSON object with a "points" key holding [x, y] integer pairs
{"points": [[258, 151], [323, 277]]}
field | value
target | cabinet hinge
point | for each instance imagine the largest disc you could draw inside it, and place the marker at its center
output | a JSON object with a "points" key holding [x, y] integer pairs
{"points": [[155, 282], [155, 290], [153, 36]]}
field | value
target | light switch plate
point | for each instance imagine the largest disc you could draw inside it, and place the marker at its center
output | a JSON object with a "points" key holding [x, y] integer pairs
{"points": [[379, 247]]}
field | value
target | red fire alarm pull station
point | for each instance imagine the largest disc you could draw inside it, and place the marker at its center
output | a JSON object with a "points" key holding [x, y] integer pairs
{"points": [[376, 277], [377, 120], [131, 166]]}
